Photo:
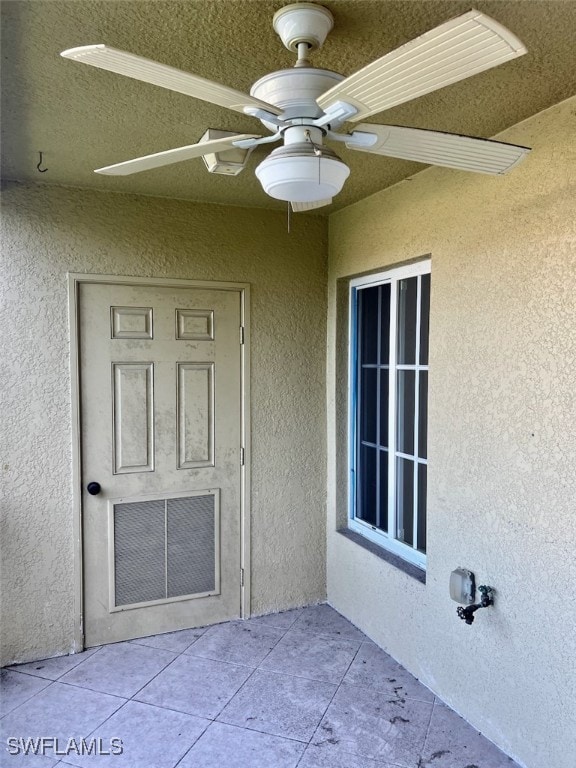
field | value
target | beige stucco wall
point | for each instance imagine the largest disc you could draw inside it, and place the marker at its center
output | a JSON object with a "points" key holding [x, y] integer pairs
{"points": [[502, 439], [49, 231]]}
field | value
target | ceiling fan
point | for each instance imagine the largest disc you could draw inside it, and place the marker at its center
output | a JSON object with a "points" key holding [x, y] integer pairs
{"points": [[304, 106]]}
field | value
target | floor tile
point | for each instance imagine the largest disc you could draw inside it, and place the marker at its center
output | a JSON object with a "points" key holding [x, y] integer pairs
{"points": [[306, 654], [151, 738], [326, 621], [195, 685], [368, 723], [329, 756], [261, 693], [52, 669], [16, 688], [238, 643], [121, 669], [279, 704], [59, 711], [225, 746], [454, 743], [373, 668], [282, 620], [177, 642]]}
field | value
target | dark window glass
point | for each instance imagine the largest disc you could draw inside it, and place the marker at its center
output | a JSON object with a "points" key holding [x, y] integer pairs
{"points": [[407, 300], [422, 472], [424, 318], [385, 324], [405, 500], [368, 315], [383, 482], [367, 484], [368, 404], [422, 414], [405, 404], [384, 387]]}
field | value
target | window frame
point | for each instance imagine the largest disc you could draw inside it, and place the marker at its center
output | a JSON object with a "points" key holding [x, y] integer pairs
{"points": [[387, 540]]}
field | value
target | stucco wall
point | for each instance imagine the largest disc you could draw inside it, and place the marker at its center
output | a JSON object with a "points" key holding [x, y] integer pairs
{"points": [[502, 439], [49, 231]]}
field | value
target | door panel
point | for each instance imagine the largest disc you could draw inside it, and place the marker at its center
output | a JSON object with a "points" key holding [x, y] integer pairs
{"points": [[195, 415], [160, 381], [133, 417]]}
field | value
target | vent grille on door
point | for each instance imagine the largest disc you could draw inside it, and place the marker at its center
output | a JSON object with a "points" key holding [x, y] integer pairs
{"points": [[165, 549], [190, 546]]}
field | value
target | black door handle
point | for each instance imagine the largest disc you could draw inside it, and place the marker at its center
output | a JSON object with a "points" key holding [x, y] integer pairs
{"points": [[93, 488]]}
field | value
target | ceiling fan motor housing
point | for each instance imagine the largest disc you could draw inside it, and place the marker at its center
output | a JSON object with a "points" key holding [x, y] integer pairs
{"points": [[295, 91]]}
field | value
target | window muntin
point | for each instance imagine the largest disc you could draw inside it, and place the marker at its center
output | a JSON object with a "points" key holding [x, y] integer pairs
{"points": [[389, 401]]}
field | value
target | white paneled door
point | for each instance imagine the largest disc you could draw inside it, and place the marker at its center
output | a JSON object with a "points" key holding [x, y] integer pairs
{"points": [[162, 455]]}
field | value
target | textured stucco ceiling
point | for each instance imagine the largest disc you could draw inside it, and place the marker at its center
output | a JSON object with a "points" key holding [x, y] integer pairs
{"points": [[83, 118]]}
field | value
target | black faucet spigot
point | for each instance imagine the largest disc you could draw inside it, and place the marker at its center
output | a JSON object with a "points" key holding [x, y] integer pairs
{"points": [[467, 613]]}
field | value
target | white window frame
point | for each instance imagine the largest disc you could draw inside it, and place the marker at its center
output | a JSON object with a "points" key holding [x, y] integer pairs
{"points": [[387, 540]]}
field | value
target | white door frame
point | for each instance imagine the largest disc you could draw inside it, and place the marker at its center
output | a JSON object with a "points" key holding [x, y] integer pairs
{"points": [[243, 289]]}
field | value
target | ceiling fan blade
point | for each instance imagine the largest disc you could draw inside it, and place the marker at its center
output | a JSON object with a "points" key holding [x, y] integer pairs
{"points": [[139, 68], [458, 49], [451, 150], [300, 207], [169, 156]]}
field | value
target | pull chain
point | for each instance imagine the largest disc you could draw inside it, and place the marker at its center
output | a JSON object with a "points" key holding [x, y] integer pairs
{"points": [[318, 152], [316, 147]]}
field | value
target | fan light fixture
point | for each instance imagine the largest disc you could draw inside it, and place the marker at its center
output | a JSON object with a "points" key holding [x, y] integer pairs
{"points": [[302, 173]]}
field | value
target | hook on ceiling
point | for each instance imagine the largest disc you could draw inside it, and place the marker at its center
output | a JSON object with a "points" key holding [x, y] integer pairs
{"points": [[41, 170]]}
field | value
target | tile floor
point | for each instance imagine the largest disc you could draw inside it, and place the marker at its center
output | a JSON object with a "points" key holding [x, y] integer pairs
{"points": [[301, 688]]}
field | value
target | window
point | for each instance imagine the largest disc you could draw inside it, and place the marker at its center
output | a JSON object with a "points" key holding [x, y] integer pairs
{"points": [[389, 407]]}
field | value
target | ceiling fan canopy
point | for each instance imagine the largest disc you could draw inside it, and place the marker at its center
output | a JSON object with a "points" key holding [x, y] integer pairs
{"points": [[304, 106]]}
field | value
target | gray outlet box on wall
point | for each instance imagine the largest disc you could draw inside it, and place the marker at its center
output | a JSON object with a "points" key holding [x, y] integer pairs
{"points": [[462, 586]]}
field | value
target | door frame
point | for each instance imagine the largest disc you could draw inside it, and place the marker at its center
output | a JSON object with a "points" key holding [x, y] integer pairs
{"points": [[75, 280]]}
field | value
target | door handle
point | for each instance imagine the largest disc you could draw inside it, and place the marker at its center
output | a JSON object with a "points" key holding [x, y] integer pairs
{"points": [[93, 488]]}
